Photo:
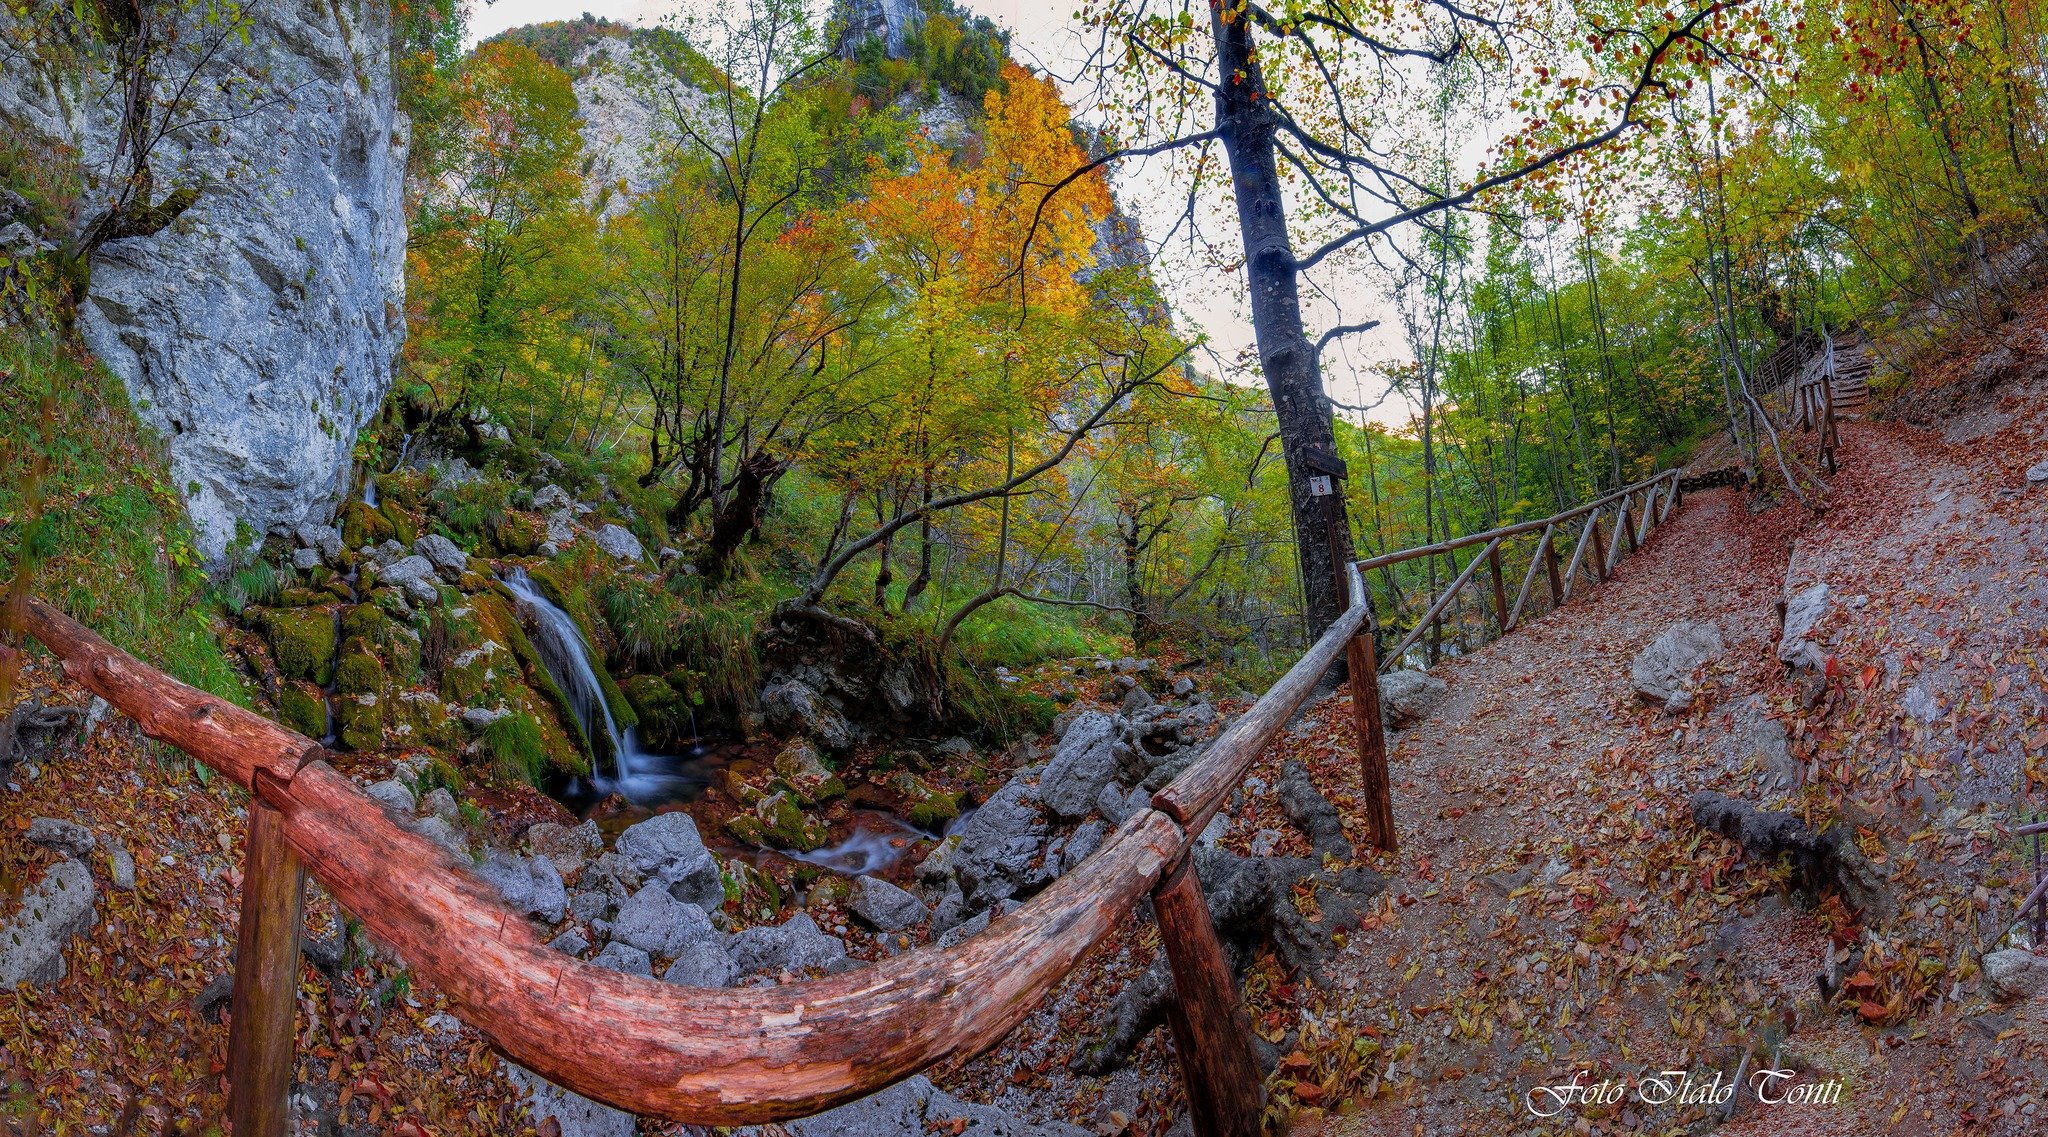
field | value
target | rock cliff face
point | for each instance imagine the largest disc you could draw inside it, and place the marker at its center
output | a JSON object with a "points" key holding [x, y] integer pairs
{"points": [[892, 21], [257, 331]]}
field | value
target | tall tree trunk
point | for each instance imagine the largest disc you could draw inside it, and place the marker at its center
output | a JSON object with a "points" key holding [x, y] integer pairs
{"points": [[1244, 119]]}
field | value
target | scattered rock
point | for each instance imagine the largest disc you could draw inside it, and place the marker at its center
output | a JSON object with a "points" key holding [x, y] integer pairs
{"points": [[2015, 973], [619, 542], [67, 838], [551, 497], [658, 923], [440, 832], [1183, 687], [1407, 696], [794, 946], [792, 708], [575, 1116], [1116, 803], [531, 885], [704, 963], [448, 559], [915, 1108], [1137, 699], [2037, 473], [886, 907], [667, 848], [799, 765], [32, 941], [1802, 614], [1083, 764], [571, 942], [480, 718], [998, 844], [1085, 839], [569, 849], [120, 867], [625, 958], [440, 803], [1920, 705], [1662, 672], [305, 560], [394, 795]]}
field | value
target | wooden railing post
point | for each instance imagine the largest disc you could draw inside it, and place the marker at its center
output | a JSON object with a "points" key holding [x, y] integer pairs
{"points": [[1599, 546], [263, 1035], [1556, 572], [1211, 1038], [1500, 589], [1372, 741]]}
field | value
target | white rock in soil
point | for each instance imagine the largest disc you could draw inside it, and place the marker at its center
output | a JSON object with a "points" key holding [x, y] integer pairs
{"points": [[619, 542], [65, 838], [1662, 672], [2037, 473], [392, 793], [32, 941], [1803, 613], [2015, 973], [1407, 696]]}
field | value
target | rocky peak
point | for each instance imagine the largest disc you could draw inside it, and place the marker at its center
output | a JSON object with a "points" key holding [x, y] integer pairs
{"points": [[891, 21]]}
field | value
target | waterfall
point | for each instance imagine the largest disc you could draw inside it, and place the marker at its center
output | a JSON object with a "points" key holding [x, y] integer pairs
{"points": [[643, 777]]}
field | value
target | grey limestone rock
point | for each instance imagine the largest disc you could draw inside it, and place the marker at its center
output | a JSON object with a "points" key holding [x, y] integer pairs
{"points": [[666, 847], [32, 941]]}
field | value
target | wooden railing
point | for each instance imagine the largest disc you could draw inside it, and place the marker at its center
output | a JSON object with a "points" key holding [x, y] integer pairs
{"points": [[1814, 404], [1630, 522], [709, 1056], [739, 1056]]}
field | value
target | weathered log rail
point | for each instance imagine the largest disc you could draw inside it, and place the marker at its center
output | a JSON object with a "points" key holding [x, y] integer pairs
{"points": [[1627, 520]]}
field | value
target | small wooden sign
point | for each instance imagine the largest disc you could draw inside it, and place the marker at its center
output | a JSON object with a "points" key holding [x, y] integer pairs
{"points": [[1321, 460]]}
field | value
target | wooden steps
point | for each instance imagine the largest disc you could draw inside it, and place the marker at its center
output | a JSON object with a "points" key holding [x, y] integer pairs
{"points": [[1850, 387]]}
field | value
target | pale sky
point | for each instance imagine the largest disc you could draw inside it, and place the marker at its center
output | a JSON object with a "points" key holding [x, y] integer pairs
{"points": [[1042, 34]]}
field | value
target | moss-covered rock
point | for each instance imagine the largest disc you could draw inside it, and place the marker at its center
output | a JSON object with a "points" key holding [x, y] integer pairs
{"points": [[930, 808], [360, 671], [664, 716], [521, 533], [301, 641], [302, 707], [397, 645], [483, 676], [418, 718], [302, 598], [362, 525], [799, 767], [777, 821], [360, 720], [494, 615], [404, 529]]}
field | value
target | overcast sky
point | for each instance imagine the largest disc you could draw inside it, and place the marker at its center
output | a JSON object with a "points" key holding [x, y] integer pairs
{"points": [[1042, 34]]}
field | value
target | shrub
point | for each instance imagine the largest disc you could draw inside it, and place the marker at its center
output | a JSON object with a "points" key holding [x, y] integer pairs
{"points": [[516, 751], [643, 616]]}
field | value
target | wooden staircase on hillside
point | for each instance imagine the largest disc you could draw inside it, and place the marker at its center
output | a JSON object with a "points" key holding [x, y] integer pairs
{"points": [[1849, 385]]}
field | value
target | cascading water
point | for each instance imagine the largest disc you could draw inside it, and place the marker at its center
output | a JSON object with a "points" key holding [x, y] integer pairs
{"points": [[639, 775]]}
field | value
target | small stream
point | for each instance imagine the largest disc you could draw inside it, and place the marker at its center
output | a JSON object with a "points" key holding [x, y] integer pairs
{"points": [[639, 775]]}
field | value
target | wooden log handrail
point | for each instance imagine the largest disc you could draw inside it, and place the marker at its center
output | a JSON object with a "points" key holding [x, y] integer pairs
{"points": [[709, 1056], [1632, 523], [1515, 530]]}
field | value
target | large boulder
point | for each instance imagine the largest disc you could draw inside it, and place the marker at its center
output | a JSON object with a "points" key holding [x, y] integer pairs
{"points": [[1803, 613], [619, 542], [885, 907], [448, 559], [1084, 763], [793, 708], [667, 848], [1662, 672], [32, 941], [659, 924], [795, 946], [2015, 973], [531, 885], [998, 845], [1408, 696]]}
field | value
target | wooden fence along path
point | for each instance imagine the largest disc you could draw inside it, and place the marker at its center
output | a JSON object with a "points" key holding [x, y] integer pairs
{"points": [[735, 1056]]}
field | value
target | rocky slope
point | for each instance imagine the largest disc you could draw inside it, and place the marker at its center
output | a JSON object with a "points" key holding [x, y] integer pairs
{"points": [[256, 330]]}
